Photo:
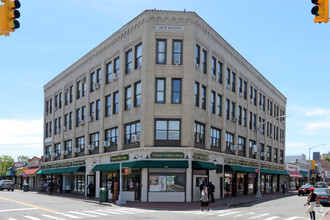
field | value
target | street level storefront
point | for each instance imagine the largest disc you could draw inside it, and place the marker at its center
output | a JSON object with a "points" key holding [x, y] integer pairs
{"points": [[68, 177], [30, 177], [242, 179], [295, 176], [304, 179]]}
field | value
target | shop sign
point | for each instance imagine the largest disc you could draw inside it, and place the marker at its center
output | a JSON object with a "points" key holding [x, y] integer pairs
{"points": [[167, 155], [253, 164], [197, 156], [290, 167], [66, 164], [230, 161], [243, 162], [119, 158], [56, 165], [47, 166], [78, 163]]}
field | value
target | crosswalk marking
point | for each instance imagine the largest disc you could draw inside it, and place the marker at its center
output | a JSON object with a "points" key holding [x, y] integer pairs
{"points": [[68, 215], [258, 216], [84, 214], [294, 217], [98, 213], [111, 212], [229, 213], [52, 217], [33, 218], [271, 218]]}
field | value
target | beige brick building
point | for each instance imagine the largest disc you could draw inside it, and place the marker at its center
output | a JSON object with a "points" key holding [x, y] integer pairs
{"points": [[168, 97]]}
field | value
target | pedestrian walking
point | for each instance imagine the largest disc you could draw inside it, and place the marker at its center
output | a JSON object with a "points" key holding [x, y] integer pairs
{"points": [[311, 202], [211, 190], [91, 190], [50, 187], [45, 186], [201, 186], [283, 188], [204, 199]]}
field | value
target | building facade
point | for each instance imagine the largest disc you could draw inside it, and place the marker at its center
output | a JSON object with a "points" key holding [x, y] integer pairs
{"points": [[169, 98]]}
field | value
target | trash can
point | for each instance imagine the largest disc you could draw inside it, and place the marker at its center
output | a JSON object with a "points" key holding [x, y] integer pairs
{"points": [[103, 197], [25, 188]]}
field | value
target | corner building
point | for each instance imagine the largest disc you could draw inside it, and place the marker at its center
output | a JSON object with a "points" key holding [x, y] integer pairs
{"points": [[169, 98]]}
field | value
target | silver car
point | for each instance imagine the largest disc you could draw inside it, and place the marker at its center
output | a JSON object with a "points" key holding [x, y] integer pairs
{"points": [[7, 184]]}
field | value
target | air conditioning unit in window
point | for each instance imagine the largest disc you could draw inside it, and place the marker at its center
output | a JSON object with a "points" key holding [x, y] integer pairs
{"points": [[262, 154], [270, 135], [254, 149], [260, 107], [91, 118], [136, 138], [55, 108], [241, 94], [55, 154], [234, 119], [82, 122], [76, 149], [233, 147], [268, 155], [197, 66], [91, 147], [65, 152], [177, 62], [240, 147], [97, 85], [228, 86], [47, 156], [214, 77], [58, 130], [114, 76], [282, 139], [251, 100], [106, 143]]}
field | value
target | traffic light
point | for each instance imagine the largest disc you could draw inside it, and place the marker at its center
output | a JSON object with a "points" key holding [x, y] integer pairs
{"points": [[8, 16], [126, 171], [321, 11]]}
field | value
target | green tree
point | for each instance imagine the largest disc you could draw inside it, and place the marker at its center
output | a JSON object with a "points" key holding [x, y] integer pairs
{"points": [[327, 159], [22, 158], [5, 163]]}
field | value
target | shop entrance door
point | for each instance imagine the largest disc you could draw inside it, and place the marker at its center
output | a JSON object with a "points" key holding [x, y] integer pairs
{"points": [[137, 188], [197, 181], [221, 188], [90, 179]]}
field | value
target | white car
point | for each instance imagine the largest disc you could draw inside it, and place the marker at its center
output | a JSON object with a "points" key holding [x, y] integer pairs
{"points": [[7, 184]]}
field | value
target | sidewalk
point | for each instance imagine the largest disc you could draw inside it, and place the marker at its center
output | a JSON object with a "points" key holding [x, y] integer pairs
{"points": [[219, 203]]}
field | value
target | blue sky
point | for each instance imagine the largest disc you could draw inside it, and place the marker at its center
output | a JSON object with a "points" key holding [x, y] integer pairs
{"points": [[279, 38]]}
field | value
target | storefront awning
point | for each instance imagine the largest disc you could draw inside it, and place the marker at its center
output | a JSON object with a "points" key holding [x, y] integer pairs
{"points": [[240, 168], [304, 173], [204, 165], [269, 171], [295, 174], [62, 170], [31, 171], [104, 167], [143, 164]]}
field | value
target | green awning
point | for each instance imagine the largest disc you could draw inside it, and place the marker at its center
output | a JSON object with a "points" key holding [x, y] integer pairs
{"points": [[204, 165], [240, 168], [156, 164], [279, 172], [105, 167], [304, 173], [51, 171], [75, 169]]}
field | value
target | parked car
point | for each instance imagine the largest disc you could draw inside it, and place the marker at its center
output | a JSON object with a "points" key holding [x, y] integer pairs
{"points": [[321, 185], [7, 184], [305, 189], [323, 195]]}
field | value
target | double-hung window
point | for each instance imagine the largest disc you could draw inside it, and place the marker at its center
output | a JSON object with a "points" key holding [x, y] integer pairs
{"points": [[112, 136], [160, 90], [167, 132], [115, 102], [138, 56], [107, 105], [137, 93], [176, 91], [177, 52], [215, 137], [129, 62], [196, 94], [161, 51], [213, 95], [128, 97], [203, 98], [204, 61], [130, 130], [199, 133], [108, 72]]}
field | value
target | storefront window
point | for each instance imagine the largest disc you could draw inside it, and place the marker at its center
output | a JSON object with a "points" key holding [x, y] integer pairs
{"points": [[79, 183], [132, 181], [107, 178], [240, 182], [228, 182], [268, 184], [274, 183], [262, 183], [166, 182], [251, 183]]}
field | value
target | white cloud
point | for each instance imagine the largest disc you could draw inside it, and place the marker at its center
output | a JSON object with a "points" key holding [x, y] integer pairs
{"points": [[318, 126], [318, 112], [21, 137], [296, 144]]}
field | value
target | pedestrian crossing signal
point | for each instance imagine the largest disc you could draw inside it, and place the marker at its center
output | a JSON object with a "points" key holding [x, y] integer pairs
{"points": [[126, 171]]}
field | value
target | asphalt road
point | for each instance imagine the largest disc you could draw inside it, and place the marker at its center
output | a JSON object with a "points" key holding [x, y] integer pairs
{"points": [[18, 205]]}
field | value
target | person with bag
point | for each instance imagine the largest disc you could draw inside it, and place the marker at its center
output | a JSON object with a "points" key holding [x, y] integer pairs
{"points": [[311, 202], [205, 199]]}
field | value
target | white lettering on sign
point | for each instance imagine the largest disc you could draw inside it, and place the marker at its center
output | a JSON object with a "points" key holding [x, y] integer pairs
{"points": [[169, 28]]}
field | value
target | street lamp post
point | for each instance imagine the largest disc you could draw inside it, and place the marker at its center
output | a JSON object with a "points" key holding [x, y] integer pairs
{"points": [[309, 162], [259, 151]]}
